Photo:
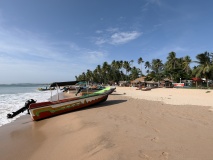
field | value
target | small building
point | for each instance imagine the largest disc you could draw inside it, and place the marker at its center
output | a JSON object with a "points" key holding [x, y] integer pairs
{"points": [[124, 83], [187, 83], [167, 83], [151, 84], [138, 82]]}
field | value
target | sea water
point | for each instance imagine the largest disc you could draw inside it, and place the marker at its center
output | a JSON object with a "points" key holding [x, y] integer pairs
{"points": [[14, 96]]}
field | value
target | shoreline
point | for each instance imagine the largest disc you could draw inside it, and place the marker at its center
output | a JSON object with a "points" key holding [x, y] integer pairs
{"points": [[123, 127]]}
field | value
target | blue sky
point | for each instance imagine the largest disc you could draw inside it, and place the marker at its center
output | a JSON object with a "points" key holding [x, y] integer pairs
{"points": [[43, 41]]}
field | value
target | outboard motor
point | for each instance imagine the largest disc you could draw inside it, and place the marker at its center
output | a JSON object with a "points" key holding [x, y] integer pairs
{"points": [[26, 107], [79, 90]]}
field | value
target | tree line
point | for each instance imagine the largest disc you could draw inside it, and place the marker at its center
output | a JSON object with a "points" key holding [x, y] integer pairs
{"points": [[174, 68]]}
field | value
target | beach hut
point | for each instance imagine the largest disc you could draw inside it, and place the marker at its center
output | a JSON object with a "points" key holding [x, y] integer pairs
{"points": [[138, 82], [123, 83], [151, 84], [168, 83]]}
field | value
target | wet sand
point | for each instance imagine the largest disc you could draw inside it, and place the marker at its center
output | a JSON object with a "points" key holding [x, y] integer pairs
{"points": [[124, 127]]}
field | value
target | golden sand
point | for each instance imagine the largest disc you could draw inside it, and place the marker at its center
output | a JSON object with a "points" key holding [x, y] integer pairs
{"points": [[162, 124]]}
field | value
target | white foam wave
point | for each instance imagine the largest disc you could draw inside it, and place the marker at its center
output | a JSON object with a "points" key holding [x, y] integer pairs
{"points": [[12, 102]]}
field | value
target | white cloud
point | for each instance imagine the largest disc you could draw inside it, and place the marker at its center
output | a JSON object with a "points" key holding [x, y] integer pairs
{"points": [[115, 37], [23, 53], [16, 42], [124, 37], [100, 41]]}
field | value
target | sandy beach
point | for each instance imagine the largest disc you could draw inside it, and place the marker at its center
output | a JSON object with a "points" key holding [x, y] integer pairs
{"points": [[163, 123]]}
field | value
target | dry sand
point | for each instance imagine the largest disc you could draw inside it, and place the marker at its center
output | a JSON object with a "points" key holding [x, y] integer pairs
{"points": [[122, 128]]}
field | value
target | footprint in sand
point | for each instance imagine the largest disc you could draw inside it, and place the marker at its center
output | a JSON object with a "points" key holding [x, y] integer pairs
{"points": [[164, 156], [211, 109], [144, 156], [155, 139], [156, 130]]}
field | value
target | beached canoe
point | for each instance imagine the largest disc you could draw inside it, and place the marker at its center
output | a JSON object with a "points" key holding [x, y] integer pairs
{"points": [[45, 89], [146, 89], [43, 110], [48, 109]]}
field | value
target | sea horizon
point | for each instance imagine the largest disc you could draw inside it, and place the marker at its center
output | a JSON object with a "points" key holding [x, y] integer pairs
{"points": [[6, 84]]}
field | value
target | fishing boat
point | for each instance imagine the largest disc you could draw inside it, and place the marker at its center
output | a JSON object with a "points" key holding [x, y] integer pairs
{"points": [[46, 89], [51, 108], [146, 89]]}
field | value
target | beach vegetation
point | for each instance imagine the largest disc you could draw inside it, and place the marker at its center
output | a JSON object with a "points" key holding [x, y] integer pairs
{"points": [[175, 69], [205, 66]]}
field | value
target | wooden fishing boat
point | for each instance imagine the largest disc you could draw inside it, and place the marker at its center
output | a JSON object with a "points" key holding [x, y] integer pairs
{"points": [[45, 89], [146, 89], [43, 110]]}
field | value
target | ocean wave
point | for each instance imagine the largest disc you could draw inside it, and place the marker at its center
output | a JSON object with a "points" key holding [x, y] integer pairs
{"points": [[12, 102]]}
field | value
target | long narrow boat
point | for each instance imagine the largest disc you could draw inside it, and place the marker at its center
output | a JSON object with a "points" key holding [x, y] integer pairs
{"points": [[45, 89], [43, 110]]}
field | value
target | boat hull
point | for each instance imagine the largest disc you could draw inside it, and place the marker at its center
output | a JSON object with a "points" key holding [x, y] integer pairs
{"points": [[48, 109]]}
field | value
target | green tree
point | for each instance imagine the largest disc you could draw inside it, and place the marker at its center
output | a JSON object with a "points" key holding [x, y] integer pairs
{"points": [[127, 67], [172, 60], [105, 72], [99, 73], [140, 61], [157, 69], [205, 67], [147, 66], [171, 65], [89, 75], [186, 62], [135, 72]]}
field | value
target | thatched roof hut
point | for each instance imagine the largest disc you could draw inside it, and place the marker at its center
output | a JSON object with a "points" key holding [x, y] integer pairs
{"points": [[138, 80]]}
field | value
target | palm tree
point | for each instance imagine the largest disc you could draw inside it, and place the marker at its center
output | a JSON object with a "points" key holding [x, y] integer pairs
{"points": [[99, 73], [89, 76], [147, 65], [113, 67], [157, 67], [135, 72], [127, 67], [84, 76], [171, 65], [118, 65], [131, 63], [171, 60], [186, 62], [106, 69], [204, 67], [95, 76], [140, 61], [113, 64], [121, 63]]}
